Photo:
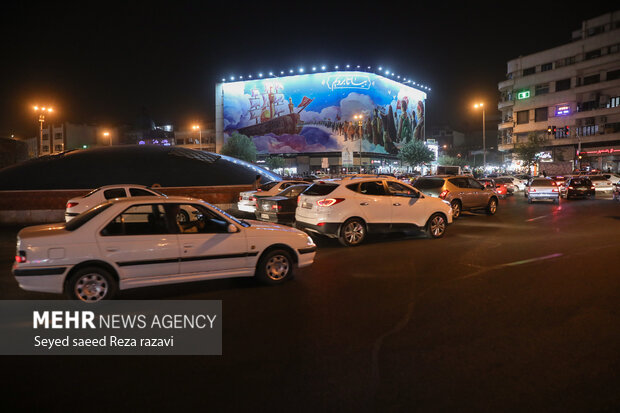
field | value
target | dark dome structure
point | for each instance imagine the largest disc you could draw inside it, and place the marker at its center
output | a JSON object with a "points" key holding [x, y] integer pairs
{"points": [[167, 166]]}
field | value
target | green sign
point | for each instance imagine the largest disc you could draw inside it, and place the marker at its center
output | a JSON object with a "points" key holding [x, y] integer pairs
{"points": [[524, 94]]}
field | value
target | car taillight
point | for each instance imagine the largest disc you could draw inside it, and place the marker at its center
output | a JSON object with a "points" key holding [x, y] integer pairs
{"points": [[444, 194], [570, 187], [251, 198], [327, 202], [532, 190], [592, 187], [240, 198], [20, 257], [71, 204], [277, 207], [554, 190]]}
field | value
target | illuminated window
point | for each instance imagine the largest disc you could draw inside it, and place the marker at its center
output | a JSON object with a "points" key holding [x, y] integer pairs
{"points": [[614, 102]]}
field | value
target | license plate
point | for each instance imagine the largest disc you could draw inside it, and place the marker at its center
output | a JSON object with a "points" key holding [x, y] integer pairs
{"points": [[264, 216], [307, 205]]}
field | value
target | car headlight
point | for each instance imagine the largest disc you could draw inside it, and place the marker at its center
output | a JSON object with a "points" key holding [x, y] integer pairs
{"points": [[445, 202], [310, 241]]}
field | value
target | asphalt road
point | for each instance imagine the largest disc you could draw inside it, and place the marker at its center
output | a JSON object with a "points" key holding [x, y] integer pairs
{"points": [[513, 312]]}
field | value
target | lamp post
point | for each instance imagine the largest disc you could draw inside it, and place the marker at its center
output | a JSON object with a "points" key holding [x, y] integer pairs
{"points": [[42, 111], [484, 146], [106, 134], [197, 127]]}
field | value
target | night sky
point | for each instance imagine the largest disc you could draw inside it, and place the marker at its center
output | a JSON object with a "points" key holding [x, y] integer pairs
{"points": [[104, 64]]}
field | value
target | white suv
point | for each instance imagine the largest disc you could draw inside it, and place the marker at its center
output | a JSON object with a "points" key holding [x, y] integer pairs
{"points": [[350, 208]]}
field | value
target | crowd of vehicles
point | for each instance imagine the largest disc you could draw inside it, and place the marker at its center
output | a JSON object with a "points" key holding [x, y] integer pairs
{"points": [[126, 236]]}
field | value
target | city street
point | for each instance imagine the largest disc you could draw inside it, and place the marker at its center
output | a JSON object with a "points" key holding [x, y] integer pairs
{"points": [[513, 312]]}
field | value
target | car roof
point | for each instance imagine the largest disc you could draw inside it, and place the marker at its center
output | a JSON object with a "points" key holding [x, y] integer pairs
{"points": [[123, 186], [166, 199]]}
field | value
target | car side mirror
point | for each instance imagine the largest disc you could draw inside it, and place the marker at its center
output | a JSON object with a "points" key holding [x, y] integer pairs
{"points": [[231, 229]]}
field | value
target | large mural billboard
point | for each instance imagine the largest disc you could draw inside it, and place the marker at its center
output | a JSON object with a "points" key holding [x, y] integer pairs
{"points": [[323, 112]]}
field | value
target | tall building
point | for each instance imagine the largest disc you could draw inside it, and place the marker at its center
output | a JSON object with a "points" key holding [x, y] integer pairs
{"points": [[570, 94], [56, 138]]}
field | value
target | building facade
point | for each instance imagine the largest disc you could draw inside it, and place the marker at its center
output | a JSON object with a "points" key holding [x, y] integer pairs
{"points": [[571, 95], [57, 138]]}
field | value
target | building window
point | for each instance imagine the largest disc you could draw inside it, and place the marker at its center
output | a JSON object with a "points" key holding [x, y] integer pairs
{"points": [[541, 114], [58, 135], [529, 71], [563, 84], [542, 89], [45, 148], [58, 148], [613, 75], [614, 102], [589, 80], [546, 67], [523, 117], [593, 54]]}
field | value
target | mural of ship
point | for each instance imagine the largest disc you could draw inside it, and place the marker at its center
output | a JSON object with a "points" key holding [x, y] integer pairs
{"points": [[273, 114]]}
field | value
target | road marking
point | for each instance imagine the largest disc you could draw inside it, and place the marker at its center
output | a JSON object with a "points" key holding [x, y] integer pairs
{"points": [[534, 219]]}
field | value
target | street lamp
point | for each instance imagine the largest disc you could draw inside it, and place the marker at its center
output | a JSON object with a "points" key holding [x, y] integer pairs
{"points": [[484, 146], [42, 111], [106, 134], [197, 127]]}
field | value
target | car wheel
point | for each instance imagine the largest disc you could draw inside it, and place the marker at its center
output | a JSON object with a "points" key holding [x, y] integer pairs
{"points": [[352, 233], [436, 226], [456, 209], [91, 284], [182, 216], [275, 267], [492, 206]]}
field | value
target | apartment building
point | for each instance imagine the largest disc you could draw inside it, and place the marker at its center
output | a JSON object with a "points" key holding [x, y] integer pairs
{"points": [[570, 94]]}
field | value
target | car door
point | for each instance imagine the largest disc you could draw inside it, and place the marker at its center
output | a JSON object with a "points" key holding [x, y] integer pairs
{"points": [[207, 246], [480, 196], [375, 203], [407, 206], [140, 242], [466, 194]]}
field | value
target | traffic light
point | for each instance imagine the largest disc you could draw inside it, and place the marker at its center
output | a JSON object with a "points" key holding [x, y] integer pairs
{"points": [[566, 130], [554, 129], [548, 130]]}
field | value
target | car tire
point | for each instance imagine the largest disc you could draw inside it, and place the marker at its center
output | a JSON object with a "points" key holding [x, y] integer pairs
{"points": [[456, 208], [275, 267], [91, 284], [436, 226], [352, 232], [492, 206]]}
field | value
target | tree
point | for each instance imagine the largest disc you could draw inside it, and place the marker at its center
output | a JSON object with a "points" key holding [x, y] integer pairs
{"points": [[415, 153], [275, 162], [529, 152], [240, 147], [451, 161]]}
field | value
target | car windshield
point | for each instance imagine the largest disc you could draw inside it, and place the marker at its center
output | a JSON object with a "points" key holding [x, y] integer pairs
{"points": [[428, 183], [320, 189], [543, 182], [86, 216], [579, 182], [227, 215], [268, 185]]}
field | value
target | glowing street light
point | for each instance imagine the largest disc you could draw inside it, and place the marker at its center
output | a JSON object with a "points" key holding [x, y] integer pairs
{"points": [[107, 134], [197, 128], [42, 111], [484, 146]]}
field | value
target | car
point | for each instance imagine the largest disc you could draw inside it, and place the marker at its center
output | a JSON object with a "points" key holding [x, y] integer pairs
{"points": [[543, 189], [602, 184], [76, 206], [500, 189], [506, 182], [462, 192], [100, 251], [350, 208], [613, 178], [520, 181], [281, 207], [580, 187], [247, 199], [616, 192]]}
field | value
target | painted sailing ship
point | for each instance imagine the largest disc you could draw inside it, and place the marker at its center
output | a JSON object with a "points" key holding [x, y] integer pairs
{"points": [[272, 113]]}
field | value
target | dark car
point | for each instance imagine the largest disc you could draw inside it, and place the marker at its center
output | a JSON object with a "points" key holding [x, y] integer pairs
{"points": [[580, 187], [281, 207]]}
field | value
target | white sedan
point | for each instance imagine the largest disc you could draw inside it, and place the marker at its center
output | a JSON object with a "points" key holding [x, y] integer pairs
{"points": [[76, 206], [137, 242], [247, 199]]}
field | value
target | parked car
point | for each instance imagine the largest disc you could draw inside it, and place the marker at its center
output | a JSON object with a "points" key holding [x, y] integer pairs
{"points": [[75, 206], [601, 184], [247, 199], [580, 187], [500, 189], [506, 182], [462, 192], [613, 178], [350, 208], [100, 252], [281, 207], [616, 192], [520, 181], [544, 189]]}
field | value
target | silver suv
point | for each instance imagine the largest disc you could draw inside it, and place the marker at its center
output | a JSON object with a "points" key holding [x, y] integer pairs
{"points": [[463, 192]]}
